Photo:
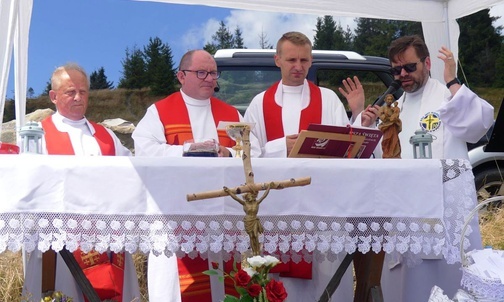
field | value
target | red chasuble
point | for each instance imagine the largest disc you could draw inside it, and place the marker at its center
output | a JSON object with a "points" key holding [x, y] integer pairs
{"points": [[58, 143], [105, 274], [273, 113], [194, 285], [175, 118], [274, 130]]}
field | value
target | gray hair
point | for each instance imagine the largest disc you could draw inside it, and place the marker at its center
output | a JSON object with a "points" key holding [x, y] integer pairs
{"points": [[55, 78]]}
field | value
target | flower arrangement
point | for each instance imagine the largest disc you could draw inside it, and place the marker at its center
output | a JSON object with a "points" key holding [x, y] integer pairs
{"points": [[252, 281]]}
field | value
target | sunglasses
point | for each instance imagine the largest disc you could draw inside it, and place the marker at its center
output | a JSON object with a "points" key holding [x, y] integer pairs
{"points": [[411, 67]]}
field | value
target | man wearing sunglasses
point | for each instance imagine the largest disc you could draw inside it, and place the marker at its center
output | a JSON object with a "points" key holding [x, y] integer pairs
{"points": [[191, 113], [454, 115]]}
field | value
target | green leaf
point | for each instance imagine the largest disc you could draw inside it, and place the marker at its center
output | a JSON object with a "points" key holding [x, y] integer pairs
{"points": [[229, 298], [242, 291], [247, 298], [211, 272]]}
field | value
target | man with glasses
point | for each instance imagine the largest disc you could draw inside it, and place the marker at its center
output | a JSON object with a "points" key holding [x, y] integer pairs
{"points": [[454, 115], [191, 113]]}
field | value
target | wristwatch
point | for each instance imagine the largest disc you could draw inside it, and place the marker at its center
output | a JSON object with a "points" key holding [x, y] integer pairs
{"points": [[454, 81]]}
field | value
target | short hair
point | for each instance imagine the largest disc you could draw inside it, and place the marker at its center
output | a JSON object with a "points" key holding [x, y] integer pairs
{"points": [[399, 46], [295, 38], [55, 78], [186, 59]]}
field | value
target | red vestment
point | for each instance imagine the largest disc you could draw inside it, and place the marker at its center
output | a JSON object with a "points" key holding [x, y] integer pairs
{"points": [[194, 285], [274, 130], [105, 274]]}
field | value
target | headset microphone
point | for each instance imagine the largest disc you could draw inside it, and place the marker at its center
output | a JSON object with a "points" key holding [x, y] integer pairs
{"points": [[216, 88]]}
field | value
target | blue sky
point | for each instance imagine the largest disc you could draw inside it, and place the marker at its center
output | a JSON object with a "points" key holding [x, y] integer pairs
{"points": [[96, 33]]}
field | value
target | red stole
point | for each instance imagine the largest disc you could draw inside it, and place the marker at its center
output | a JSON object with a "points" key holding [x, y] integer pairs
{"points": [[273, 113], [274, 129], [58, 143], [175, 118], [105, 275]]}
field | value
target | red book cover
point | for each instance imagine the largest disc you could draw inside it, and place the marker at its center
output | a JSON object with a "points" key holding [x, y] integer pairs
{"points": [[371, 137], [336, 142], [322, 144]]}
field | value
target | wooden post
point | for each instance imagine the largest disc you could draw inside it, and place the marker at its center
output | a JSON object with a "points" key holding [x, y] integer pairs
{"points": [[48, 271]]}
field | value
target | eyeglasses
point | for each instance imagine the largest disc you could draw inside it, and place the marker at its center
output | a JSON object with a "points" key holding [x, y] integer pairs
{"points": [[411, 67], [203, 74]]}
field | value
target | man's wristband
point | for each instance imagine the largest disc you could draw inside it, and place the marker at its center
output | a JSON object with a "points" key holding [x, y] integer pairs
{"points": [[452, 82]]}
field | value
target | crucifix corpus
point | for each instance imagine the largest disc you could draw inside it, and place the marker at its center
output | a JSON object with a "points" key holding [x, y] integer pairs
{"points": [[250, 190]]}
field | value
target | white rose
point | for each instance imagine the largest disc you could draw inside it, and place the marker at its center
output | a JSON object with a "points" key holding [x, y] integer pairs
{"points": [[256, 261], [250, 271], [271, 260]]}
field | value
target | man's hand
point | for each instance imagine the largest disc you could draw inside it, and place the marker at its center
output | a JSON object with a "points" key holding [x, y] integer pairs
{"points": [[223, 152], [354, 93], [290, 140], [450, 70], [369, 115]]}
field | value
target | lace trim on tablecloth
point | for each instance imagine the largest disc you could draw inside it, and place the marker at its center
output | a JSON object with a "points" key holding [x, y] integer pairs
{"points": [[293, 237]]}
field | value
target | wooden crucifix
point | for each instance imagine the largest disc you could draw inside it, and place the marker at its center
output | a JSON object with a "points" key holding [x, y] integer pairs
{"points": [[250, 190]]}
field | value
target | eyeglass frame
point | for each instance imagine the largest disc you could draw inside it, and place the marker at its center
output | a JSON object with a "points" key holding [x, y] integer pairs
{"points": [[410, 67], [214, 74]]}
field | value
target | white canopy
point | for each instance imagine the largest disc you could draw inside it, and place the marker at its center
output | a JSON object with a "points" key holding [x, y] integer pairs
{"points": [[438, 19]]}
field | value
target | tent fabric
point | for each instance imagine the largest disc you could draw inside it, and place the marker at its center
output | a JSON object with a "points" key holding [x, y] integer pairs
{"points": [[15, 17], [7, 26], [438, 19], [21, 61]]}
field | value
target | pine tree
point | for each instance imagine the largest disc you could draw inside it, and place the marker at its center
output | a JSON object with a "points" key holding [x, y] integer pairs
{"points": [[348, 38], [30, 93], [223, 38], [160, 73], [373, 36], [325, 30], [481, 49], [134, 70], [47, 88], [211, 48], [331, 36], [238, 39], [98, 80]]}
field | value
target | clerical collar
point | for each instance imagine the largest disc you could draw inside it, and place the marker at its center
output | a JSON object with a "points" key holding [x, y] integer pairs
{"points": [[194, 102], [58, 116], [292, 89]]}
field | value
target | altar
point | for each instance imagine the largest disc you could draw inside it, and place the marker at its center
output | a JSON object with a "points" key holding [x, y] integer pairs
{"points": [[139, 204], [415, 207]]}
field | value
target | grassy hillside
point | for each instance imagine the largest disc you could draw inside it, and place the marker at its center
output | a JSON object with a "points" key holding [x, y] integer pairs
{"points": [[131, 105]]}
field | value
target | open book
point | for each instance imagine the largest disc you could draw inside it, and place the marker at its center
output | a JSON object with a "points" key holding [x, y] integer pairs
{"points": [[336, 142]]}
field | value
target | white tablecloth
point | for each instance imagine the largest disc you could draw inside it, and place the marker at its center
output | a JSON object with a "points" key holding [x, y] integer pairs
{"points": [[139, 204]]}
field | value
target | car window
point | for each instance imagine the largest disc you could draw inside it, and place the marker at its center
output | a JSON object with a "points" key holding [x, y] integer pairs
{"points": [[370, 80], [239, 86]]}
